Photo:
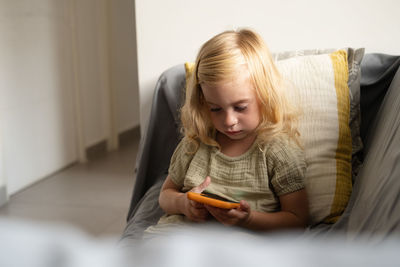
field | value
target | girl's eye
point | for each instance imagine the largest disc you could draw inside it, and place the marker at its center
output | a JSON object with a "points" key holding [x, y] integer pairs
{"points": [[240, 108], [215, 109]]}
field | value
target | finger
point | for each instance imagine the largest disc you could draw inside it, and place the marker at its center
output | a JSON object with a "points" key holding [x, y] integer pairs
{"points": [[235, 213], [211, 208], [200, 214], [226, 214], [244, 206], [217, 212], [201, 187], [213, 212], [196, 204], [220, 217], [222, 212]]}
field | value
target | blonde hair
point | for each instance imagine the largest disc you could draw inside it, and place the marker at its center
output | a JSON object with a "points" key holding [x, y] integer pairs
{"points": [[218, 61]]}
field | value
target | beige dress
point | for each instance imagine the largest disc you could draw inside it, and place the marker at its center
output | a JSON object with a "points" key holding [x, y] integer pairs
{"points": [[259, 176]]}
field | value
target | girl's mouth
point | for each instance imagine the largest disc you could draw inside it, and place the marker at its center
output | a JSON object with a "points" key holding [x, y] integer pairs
{"points": [[232, 132]]}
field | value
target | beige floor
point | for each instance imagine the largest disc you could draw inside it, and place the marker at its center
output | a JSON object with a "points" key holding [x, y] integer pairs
{"points": [[93, 197]]}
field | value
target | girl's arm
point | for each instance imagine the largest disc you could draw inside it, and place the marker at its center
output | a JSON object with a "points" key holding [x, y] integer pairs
{"points": [[173, 201], [293, 214]]}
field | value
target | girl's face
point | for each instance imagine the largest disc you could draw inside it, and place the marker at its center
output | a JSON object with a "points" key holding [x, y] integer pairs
{"points": [[233, 106]]}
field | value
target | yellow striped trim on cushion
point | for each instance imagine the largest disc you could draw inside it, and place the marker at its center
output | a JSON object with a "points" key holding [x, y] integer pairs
{"points": [[343, 152]]}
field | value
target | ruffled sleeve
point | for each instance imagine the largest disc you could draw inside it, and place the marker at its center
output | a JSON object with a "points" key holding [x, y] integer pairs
{"points": [[287, 167], [180, 161]]}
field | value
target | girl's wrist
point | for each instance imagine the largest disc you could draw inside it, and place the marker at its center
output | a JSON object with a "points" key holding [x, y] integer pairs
{"points": [[181, 201], [172, 202], [246, 222]]}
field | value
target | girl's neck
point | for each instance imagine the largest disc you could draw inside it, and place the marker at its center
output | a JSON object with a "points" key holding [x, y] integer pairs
{"points": [[234, 148]]}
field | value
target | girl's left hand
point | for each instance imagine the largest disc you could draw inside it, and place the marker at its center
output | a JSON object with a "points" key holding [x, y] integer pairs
{"points": [[238, 216]]}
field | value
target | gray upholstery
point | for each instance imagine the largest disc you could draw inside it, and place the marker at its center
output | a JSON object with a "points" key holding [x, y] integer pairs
{"points": [[375, 204], [377, 73], [374, 207], [161, 136]]}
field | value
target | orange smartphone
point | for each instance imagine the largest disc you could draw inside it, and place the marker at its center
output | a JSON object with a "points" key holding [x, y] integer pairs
{"points": [[213, 200]]}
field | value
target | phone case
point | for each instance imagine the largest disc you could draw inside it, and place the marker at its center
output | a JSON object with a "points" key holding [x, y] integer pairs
{"points": [[213, 200]]}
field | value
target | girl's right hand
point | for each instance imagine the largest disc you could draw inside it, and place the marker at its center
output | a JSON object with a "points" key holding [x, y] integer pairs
{"points": [[193, 210]]}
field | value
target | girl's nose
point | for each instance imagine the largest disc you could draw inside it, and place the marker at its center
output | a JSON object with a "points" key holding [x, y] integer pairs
{"points": [[230, 119]]}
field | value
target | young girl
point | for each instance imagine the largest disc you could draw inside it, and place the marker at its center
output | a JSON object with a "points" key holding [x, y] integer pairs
{"points": [[240, 141]]}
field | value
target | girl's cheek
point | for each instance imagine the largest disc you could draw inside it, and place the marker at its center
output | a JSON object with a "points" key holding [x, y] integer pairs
{"points": [[214, 120]]}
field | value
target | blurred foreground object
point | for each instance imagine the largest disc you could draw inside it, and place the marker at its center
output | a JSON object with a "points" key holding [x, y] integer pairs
{"points": [[31, 244]]}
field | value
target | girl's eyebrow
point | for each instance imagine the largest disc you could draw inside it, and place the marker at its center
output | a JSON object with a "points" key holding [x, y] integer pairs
{"points": [[236, 103], [242, 101]]}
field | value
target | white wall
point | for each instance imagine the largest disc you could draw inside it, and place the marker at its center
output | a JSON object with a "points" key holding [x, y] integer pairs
{"points": [[35, 100], [38, 106], [109, 41], [170, 32], [124, 76]]}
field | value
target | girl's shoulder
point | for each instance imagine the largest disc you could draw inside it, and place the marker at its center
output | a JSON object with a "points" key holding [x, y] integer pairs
{"points": [[281, 149], [182, 156], [191, 146], [279, 141], [187, 146]]}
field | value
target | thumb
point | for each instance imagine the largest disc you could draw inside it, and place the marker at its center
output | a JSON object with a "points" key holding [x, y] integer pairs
{"points": [[244, 206], [201, 187]]}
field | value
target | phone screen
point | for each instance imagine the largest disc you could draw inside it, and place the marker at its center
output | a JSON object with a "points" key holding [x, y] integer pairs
{"points": [[213, 196]]}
